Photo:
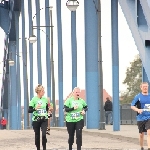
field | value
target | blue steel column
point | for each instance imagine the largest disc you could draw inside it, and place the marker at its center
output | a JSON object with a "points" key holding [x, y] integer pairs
{"points": [[38, 42], [9, 82], [60, 64], [25, 79], [74, 49], [5, 84], [24, 52], [13, 98], [4, 96], [115, 65], [4, 92], [18, 69], [91, 64], [48, 62], [30, 54], [145, 78]]}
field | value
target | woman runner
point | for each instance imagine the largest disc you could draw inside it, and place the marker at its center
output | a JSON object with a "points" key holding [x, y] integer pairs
{"points": [[75, 108], [39, 107]]}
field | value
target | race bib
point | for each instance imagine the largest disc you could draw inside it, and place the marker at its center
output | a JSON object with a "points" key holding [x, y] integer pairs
{"points": [[147, 107], [75, 115], [41, 112]]}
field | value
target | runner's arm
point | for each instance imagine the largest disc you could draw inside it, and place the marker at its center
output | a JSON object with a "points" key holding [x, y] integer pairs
{"points": [[134, 108], [31, 109], [47, 108], [85, 108], [67, 109]]}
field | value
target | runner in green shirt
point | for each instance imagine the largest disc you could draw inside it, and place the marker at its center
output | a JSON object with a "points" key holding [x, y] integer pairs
{"points": [[39, 107], [75, 108]]}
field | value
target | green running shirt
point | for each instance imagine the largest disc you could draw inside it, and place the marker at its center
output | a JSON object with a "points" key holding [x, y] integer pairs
{"points": [[41, 112], [74, 115]]}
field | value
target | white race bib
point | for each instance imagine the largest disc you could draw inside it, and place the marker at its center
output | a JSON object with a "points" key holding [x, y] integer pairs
{"points": [[75, 115], [41, 112]]}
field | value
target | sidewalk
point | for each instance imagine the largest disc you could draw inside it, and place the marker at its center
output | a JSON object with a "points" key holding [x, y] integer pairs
{"points": [[125, 139], [127, 133], [130, 131]]}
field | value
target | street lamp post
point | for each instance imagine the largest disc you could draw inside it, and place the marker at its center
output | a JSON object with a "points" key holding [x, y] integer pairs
{"points": [[102, 122], [52, 69]]}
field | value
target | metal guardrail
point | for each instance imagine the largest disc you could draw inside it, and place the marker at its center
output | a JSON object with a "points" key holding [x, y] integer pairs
{"points": [[127, 116]]}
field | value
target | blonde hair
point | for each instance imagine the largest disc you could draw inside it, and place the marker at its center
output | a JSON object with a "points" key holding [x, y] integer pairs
{"points": [[71, 94], [143, 83], [38, 88]]}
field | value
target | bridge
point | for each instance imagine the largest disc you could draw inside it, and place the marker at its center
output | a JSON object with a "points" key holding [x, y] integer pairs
{"points": [[13, 14]]}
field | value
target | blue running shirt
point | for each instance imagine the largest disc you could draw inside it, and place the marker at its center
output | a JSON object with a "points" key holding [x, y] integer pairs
{"points": [[142, 102]]}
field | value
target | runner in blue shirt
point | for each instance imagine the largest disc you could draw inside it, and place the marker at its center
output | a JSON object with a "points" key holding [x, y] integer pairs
{"points": [[141, 104]]}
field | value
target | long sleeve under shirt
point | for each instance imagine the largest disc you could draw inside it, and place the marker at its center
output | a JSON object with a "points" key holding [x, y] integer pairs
{"points": [[67, 109]]}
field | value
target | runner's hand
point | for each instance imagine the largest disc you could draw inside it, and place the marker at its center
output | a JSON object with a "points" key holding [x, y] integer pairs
{"points": [[38, 106], [140, 111], [51, 108], [82, 112], [75, 107]]}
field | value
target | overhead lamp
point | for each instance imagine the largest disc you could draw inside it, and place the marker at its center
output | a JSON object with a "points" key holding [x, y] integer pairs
{"points": [[72, 5], [11, 63], [32, 39]]}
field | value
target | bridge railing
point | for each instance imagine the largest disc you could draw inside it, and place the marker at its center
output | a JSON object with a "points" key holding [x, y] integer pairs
{"points": [[127, 116]]}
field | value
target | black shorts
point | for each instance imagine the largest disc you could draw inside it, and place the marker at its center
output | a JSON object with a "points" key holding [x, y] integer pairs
{"points": [[143, 126]]}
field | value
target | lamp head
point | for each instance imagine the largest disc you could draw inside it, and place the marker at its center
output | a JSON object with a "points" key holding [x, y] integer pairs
{"points": [[72, 5], [32, 39], [11, 63]]}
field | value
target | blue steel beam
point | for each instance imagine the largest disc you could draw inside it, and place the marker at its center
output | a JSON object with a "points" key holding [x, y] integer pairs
{"points": [[24, 53], [11, 8], [12, 76], [7, 77], [145, 78], [91, 63], [4, 19], [74, 49], [37, 2], [13, 81], [48, 62], [60, 64], [115, 64], [17, 13], [5, 84], [5, 91], [137, 16]]}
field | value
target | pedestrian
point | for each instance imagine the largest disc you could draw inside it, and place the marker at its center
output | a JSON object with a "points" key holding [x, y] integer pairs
{"points": [[140, 103], [108, 110], [3, 123], [75, 108], [39, 107], [50, 109]]}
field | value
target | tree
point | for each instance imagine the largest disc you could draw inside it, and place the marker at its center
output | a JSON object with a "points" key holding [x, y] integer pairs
{"points": [[132, 80]]}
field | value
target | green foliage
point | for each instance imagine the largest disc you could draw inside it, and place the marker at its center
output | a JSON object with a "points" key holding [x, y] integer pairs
{"points": [[132, 81]]}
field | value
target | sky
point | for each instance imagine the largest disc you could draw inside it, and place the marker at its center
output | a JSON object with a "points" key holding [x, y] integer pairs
{"points": [[127, 47]]}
